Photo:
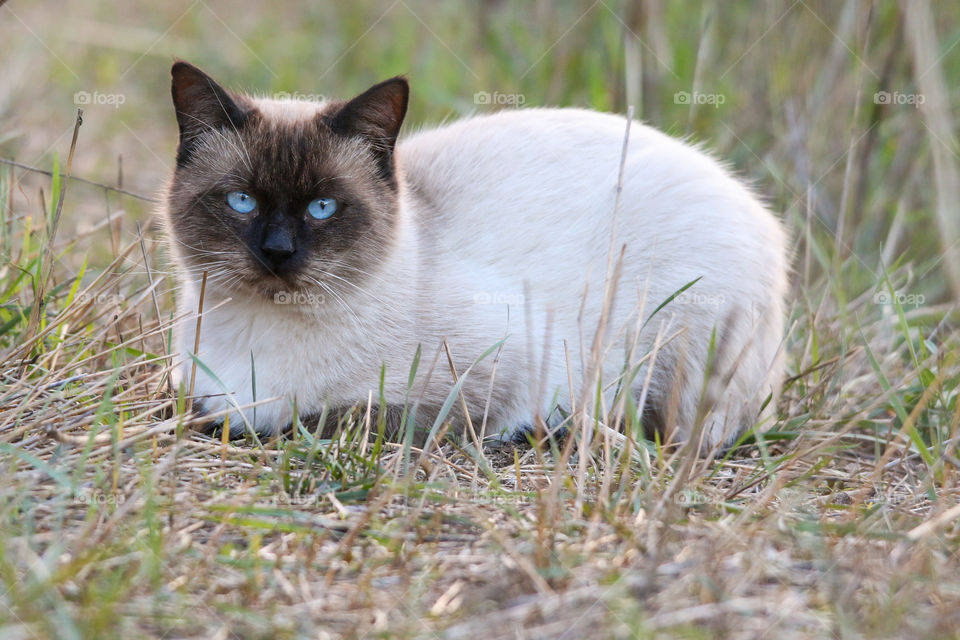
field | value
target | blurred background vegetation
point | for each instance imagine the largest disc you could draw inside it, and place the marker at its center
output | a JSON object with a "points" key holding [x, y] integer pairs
{"points": [[797, 80]]}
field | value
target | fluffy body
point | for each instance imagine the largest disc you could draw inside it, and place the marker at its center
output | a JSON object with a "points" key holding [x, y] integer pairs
{"points": [[503, 229]]}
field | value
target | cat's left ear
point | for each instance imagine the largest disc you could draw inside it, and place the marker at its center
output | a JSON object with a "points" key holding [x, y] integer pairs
{"points": [[202, 106], [376, 115]]}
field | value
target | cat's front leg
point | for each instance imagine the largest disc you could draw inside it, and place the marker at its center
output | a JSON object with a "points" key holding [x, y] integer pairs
{"points": [[229, 397]]}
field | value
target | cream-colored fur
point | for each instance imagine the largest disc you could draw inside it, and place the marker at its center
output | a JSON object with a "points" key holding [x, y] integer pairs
{"points": [[505, 230]]}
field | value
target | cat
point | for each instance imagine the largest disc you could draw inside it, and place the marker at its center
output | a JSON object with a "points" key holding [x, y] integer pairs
{"points": [[334, 253]]}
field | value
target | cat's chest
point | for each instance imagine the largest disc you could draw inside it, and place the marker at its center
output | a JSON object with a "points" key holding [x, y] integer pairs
{"points": [[278, 350]]}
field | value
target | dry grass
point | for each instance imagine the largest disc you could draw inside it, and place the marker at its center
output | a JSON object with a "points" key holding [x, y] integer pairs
{"points": [[117, 519]]}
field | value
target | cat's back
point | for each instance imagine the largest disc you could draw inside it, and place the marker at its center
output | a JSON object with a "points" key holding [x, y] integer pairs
{"points": [[550, 130], [528, 156], [545, 180], [512, 148]]}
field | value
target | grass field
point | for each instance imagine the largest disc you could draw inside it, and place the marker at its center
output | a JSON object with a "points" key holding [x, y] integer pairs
{"points": [[118, 520]]}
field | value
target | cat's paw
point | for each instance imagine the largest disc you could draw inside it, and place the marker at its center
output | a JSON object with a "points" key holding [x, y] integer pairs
{"points": [[213, 412], [528, 434], [205, 419]]}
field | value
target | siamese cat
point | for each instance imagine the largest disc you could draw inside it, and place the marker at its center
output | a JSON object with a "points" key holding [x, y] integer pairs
{"points": [[334, 252]]}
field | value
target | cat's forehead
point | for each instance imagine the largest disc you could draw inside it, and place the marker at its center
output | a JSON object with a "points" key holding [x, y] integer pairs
{"points": [[289, 109], [285, 145]]}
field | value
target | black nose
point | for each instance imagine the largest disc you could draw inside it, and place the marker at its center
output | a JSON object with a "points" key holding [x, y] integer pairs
{"points": [[277, 245]]}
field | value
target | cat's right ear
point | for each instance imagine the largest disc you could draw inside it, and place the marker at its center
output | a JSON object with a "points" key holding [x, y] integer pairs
{"points": [[376, 116], [202, 105]]}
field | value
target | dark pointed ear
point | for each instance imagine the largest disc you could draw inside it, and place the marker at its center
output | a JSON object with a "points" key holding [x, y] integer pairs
{"points": [[202, 105], [376, 115]]}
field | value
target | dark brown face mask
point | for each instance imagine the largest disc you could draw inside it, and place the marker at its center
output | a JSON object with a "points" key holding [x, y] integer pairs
{"points": [[272, 199]]}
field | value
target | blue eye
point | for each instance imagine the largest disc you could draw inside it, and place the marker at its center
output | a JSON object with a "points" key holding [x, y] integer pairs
{"points": [[322, 208], [241, 202]]}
